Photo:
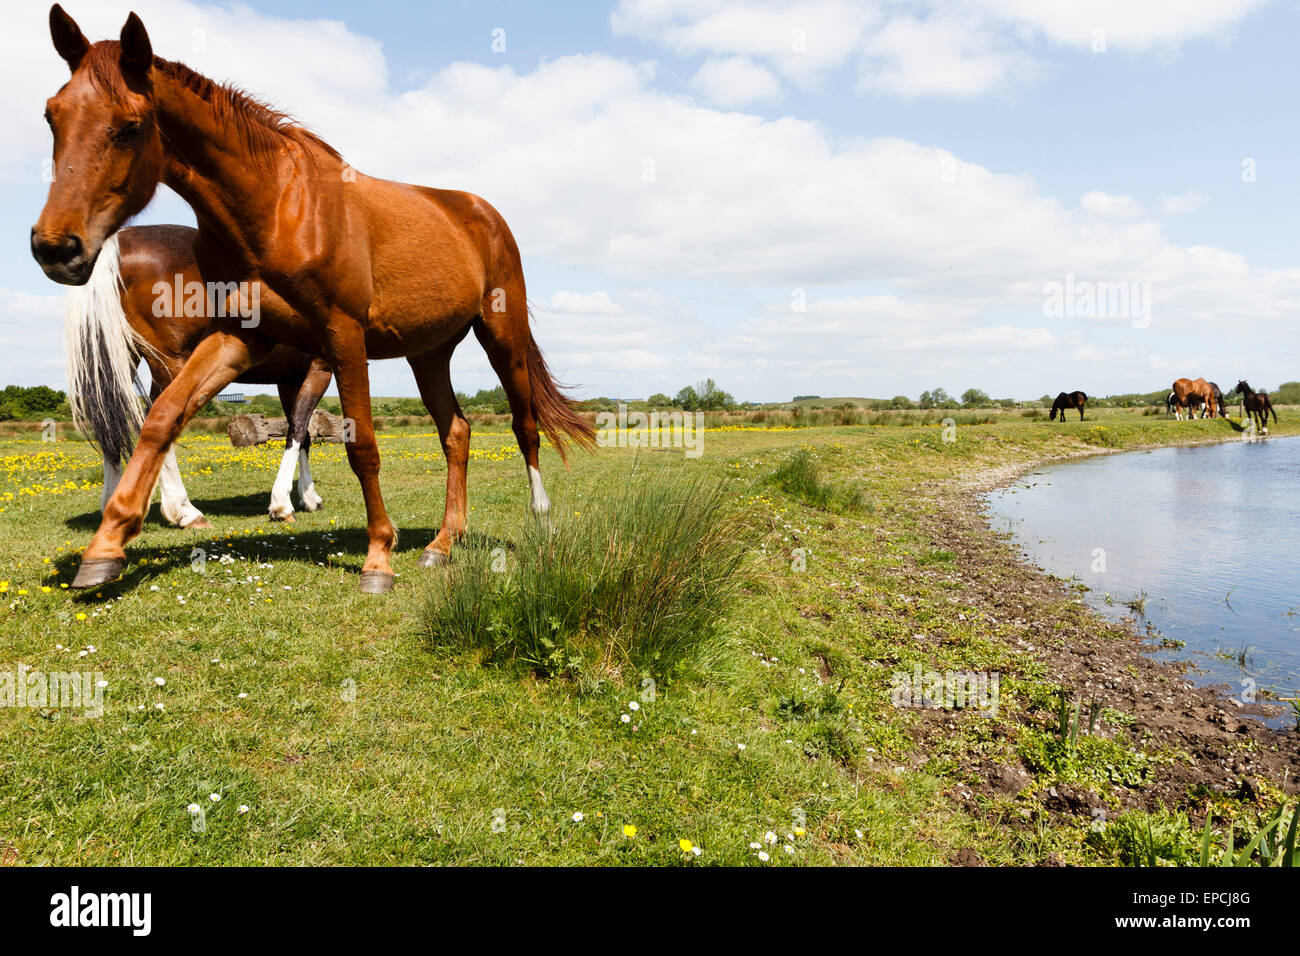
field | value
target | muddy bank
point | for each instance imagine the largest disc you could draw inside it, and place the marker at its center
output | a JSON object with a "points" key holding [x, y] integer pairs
{"points": [[1212, 749]]}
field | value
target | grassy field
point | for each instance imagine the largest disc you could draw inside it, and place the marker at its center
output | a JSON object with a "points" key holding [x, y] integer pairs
{"points": [[317, 725]]}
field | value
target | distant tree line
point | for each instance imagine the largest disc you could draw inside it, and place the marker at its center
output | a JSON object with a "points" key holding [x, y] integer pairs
{"points": [[33, 403]]}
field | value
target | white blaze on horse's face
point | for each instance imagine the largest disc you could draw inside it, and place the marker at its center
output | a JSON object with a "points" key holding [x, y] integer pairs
{"points": [[540, 504], [281, 507]]}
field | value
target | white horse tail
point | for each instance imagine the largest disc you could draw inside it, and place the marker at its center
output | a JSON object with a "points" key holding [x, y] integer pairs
{"points": [[103, 353]]}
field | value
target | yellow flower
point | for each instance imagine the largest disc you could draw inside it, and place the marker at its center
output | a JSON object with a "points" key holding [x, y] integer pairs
{"points": [[799, 831], [685, 845], [45, 589], [630, 831], [81, 617]]}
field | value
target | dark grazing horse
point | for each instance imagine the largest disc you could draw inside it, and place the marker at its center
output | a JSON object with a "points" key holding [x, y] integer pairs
{"points": [[1257, 405], [1069, 400]]}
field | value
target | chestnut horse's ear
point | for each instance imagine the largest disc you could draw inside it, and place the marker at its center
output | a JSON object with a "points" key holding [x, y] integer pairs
{"points": [[137, 51], [68, 38]]}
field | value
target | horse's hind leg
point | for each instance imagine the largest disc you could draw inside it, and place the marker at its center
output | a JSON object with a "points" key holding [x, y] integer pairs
{"points": [[505, 337], [433, 377], [281, 507], [176, 506], [313, 389], [299, 396]]}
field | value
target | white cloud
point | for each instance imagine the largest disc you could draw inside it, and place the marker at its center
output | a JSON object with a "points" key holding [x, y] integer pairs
{"points": [[914, 48], [593, 303], [1129, 25], [1187, 202], [802, 39], [949, 56], [735, 81], [1107, 206], [737, 213]]}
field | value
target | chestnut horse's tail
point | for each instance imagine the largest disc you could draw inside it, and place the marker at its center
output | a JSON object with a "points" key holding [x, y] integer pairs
{"points": [[102, 354], [552, 409]]}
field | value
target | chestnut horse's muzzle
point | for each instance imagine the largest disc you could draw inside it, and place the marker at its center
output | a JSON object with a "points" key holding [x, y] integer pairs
{"points": [[63, 258]]}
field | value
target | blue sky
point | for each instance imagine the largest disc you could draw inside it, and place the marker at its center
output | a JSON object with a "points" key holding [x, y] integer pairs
{"points": [[915, 174]]}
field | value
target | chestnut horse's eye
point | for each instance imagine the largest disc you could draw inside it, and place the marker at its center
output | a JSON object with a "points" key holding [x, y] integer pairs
{"points": [[49, 117], [127, 134]]}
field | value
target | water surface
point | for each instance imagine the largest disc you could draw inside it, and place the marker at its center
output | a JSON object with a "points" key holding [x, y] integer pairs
{"points": [[1206, 535]]}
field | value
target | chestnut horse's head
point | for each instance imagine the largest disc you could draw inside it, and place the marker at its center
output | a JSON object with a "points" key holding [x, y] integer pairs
{"points": [[108, 156]]}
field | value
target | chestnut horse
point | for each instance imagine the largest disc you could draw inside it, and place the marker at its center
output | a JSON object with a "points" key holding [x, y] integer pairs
{"points": [[1068, 400], [1220, 407], [1257, 405], [128, 311], [1189, 393], [347, 267]]}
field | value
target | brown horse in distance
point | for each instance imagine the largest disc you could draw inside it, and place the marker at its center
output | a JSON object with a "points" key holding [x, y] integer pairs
{"points": [[133, 309], [1067, 400], [349, 268], [1191, 392]]}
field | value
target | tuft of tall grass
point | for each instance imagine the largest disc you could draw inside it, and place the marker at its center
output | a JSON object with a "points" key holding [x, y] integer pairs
{"points": [[800, 476], [633, 584]]}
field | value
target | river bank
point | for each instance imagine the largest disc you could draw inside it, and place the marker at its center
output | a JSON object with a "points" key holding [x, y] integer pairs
{"points": [[1210, 755]]}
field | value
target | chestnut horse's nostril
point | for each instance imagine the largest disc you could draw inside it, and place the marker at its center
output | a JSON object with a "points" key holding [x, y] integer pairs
{"points": [[59, 251]]}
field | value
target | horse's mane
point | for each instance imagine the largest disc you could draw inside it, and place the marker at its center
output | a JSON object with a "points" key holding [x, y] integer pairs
{"points": [[259, 124]]}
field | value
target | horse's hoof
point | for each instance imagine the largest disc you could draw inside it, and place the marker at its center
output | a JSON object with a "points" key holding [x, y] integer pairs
{"points": [[431, 558], [96, 571], [376, 582], [287, 517], [198, 524]]}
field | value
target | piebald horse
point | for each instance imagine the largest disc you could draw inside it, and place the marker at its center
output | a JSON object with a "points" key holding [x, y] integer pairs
{"points": [[132, 309], [1189, 393], [1257, 405], [347, 267], [1068, 400]]}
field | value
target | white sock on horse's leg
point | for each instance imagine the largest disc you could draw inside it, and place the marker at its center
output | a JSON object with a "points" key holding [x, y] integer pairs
{"points": [[281, 507], [112, 475], [539, 503], [176, 506], [306, 487]]}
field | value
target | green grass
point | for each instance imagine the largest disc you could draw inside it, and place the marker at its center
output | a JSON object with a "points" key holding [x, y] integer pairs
{"points": [[801, 476], [353, 737], [636, 582]]}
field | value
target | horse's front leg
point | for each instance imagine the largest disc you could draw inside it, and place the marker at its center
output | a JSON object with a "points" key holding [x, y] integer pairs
{"points": [[217, 361], [347, 355]]}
